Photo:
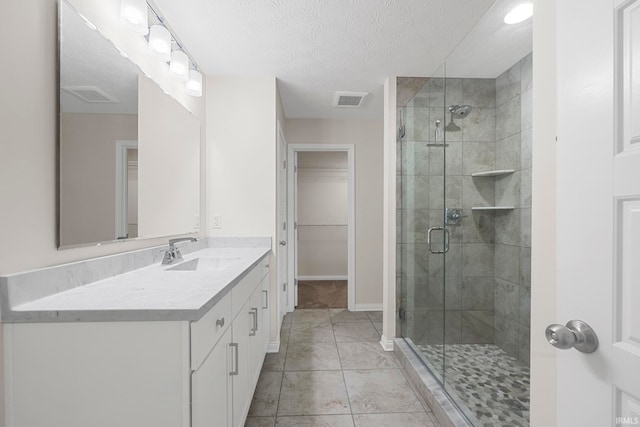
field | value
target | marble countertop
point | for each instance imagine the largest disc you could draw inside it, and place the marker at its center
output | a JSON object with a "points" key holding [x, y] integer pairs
{"points": [[153, 293]]}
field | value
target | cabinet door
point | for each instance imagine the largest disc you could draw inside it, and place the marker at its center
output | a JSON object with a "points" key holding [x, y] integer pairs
{"points": [[211, 387], [242, 385]]}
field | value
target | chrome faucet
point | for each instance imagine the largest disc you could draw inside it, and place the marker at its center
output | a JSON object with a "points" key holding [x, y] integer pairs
{"points": [[173, 255]]}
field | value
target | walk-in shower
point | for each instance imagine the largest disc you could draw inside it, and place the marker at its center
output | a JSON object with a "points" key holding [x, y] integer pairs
{"points": [[464, 242]]}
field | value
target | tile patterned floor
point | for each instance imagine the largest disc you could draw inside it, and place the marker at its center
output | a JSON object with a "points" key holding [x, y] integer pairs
{"points": [[494, 385], [332, 372]]}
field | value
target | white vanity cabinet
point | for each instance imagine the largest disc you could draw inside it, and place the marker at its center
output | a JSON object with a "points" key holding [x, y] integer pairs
{"points": [[141, 373], [226, 371]]}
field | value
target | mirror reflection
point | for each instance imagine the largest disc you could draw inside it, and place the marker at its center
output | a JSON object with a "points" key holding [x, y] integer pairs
{"points": [[120, 135]]}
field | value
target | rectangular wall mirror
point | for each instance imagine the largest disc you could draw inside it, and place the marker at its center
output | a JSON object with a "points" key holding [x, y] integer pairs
{"points": [[129, 152]]}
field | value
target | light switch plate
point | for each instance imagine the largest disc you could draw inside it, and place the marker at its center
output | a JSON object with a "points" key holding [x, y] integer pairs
{"points": [[216, 221]]}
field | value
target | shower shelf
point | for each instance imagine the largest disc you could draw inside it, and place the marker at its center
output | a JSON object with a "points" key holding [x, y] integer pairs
{"points": [[494, 173], [492, 208]]}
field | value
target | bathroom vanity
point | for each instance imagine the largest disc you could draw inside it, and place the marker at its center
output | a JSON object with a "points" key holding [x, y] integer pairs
{"points": [[179, 345]]}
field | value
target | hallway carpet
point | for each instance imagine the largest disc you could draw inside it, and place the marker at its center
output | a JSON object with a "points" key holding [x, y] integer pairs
{"points": [[322, 294], [331, 371]]}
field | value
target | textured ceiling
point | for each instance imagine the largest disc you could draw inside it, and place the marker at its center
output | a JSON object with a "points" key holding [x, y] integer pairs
{"points": [[315, 47]]}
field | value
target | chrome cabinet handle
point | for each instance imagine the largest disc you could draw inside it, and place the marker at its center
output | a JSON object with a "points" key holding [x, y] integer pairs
{"points": [[254, 313], [266, 299], [232, 346], [220, 322], [283, 242], [576, 334], [446, 240]]}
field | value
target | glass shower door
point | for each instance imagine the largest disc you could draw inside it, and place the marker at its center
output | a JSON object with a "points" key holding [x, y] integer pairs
{"points": [[421, 234]]}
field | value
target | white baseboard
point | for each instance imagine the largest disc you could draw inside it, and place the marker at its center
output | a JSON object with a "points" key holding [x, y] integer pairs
{"points": [[386, 344], [273, 347], [320, 278], [367, 307]]}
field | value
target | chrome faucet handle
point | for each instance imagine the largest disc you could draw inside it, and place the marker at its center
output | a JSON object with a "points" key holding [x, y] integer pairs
{"points": [[177, 255]]}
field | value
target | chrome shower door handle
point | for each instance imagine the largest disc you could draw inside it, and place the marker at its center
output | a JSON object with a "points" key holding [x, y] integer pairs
{"points": [[445, 232]]}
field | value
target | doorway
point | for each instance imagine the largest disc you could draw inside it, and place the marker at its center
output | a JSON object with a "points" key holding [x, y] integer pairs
{"points": [[321, 202], [126, 204]]}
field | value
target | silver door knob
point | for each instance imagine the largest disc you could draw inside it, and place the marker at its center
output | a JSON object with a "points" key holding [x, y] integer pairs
{"points": [[575, 334], [283, 242]]}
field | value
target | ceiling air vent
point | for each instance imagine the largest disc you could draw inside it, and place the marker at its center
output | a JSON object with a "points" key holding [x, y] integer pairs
{"points": [[91, 94], [349, 99]]}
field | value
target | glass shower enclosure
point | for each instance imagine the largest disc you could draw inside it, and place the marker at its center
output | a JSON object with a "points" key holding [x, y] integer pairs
{"points": [[463, 236]]}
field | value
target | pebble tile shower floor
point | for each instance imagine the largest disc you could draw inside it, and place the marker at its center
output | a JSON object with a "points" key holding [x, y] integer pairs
{"points": [[332, 372], [492, 384]]}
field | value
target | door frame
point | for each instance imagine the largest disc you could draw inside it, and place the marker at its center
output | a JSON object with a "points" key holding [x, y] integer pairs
{"points": [[293, 149], [282, 251], [544, 357]]}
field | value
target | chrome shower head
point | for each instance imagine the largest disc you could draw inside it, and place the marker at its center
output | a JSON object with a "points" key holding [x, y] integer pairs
{"points": [[459, 111]]}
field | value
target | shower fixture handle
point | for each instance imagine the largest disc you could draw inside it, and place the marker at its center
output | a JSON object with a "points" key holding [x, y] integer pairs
{"points": [[576, 334]]}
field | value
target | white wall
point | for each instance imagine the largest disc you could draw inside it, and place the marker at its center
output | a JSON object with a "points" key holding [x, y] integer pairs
{"points": [[169, 164], [543, 217], [367, 137], [389, 214], [241, 160]]}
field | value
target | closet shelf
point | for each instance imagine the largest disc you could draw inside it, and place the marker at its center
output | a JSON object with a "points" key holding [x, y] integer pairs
{"points": [[494, 173], [492, 208]]}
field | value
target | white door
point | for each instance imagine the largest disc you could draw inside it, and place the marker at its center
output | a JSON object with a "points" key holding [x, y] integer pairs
{"points": [[282, 224], [598, 59]]}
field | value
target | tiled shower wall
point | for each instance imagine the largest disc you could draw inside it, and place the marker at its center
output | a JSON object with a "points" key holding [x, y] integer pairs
{"points": [[513, 228], [487, 267]]}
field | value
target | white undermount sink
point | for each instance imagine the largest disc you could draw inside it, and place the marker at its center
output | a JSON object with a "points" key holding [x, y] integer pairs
{"points": [[205, 264]]}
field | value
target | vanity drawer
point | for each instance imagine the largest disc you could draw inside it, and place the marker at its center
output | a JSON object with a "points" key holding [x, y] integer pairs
{"points": [[206, 332], [243, 290], [264, 266]]}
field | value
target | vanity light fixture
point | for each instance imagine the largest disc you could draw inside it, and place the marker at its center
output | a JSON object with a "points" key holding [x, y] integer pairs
{"points": [[160, 42], [520, 13], [179, 66], [193, 86], [134, 16]]}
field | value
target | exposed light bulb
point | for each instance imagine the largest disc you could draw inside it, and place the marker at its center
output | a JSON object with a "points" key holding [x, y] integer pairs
{"points": [[520, 13], [134, 16]]}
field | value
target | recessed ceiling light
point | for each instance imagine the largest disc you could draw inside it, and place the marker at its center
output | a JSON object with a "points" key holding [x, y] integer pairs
{"points": [[520, 13]]}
